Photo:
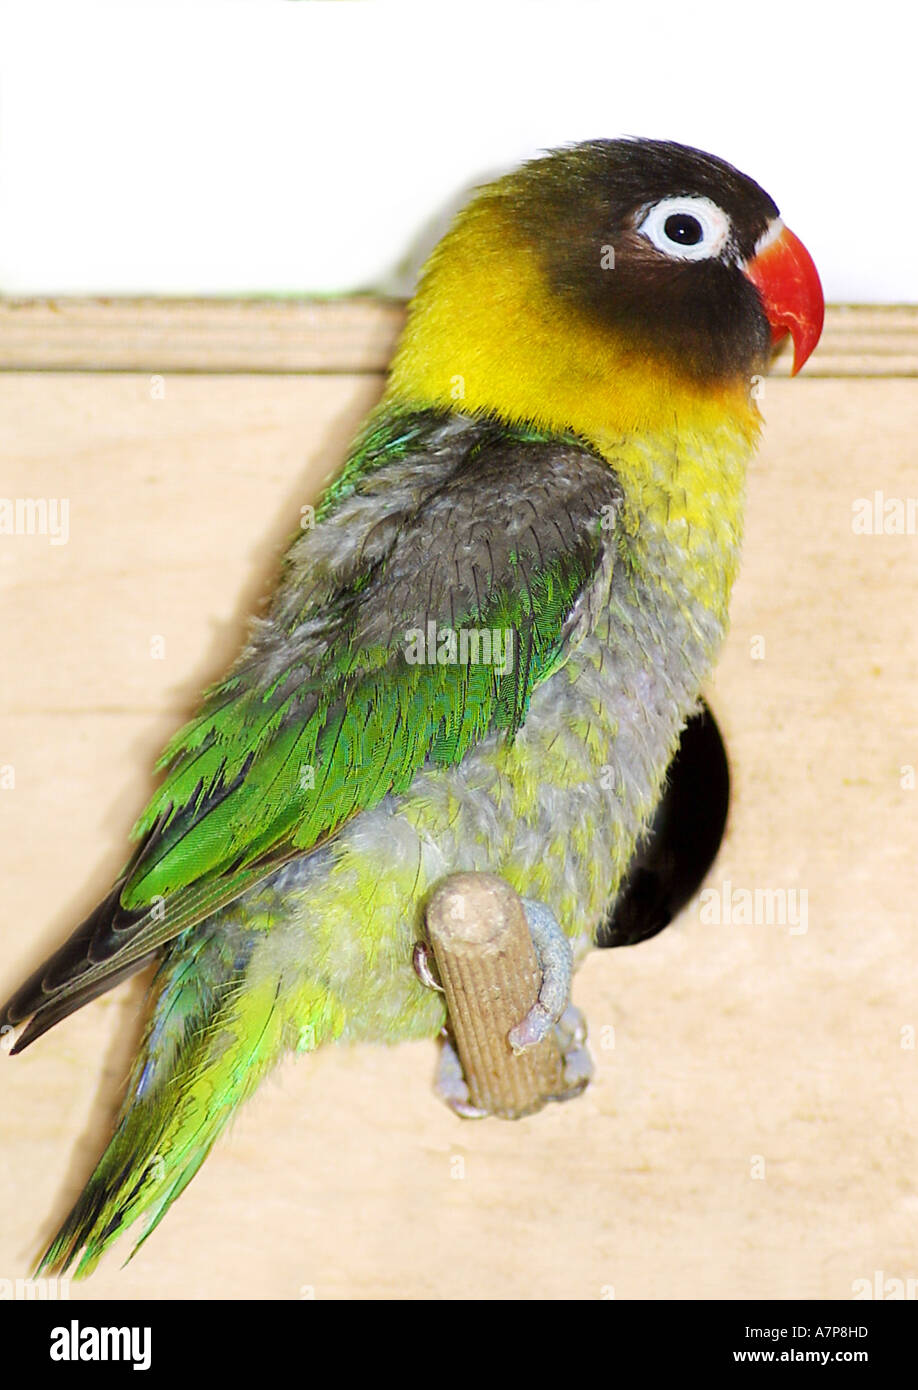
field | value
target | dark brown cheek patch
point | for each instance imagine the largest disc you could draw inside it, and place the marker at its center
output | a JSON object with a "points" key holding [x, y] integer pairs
{"points": [[703, 318]]}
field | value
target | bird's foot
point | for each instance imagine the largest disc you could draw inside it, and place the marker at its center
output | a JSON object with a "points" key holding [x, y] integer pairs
{"points": [[571, 1032], [452, 1088], [450, 1083], [556, 962], [553, 1008], [552, 1011]]}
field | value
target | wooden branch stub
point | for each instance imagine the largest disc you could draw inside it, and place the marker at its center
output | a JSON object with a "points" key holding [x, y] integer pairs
{"points": [[490, 974]]}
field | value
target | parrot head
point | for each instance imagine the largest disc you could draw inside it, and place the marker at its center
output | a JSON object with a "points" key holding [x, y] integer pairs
{"points": [[670, 245], [604, 283]]}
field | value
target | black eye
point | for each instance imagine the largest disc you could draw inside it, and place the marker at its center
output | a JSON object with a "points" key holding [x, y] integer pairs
{"points": [[683, 229]]}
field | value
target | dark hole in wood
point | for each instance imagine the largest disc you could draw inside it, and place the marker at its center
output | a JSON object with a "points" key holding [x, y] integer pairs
{"points": [[683, 840]]}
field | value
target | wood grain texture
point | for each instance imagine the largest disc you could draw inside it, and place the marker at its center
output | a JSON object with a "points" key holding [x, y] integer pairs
{"points": [[158, 335], [750, 1131], [343, 335], [487, 966]]}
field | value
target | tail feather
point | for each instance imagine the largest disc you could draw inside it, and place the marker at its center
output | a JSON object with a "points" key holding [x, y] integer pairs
{"points": [[62, 1007], [111, 944], [70, 964], [211, 1037]]}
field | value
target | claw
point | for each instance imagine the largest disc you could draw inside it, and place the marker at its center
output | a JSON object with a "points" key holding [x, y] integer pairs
{"points": [[421, 959]]}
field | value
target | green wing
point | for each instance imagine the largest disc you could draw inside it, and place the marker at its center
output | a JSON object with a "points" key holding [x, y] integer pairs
{"points": [[259, 773], [435, 527]]}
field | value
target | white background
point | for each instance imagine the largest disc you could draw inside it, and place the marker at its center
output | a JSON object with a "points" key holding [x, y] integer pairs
{"points": [[261, 146]]}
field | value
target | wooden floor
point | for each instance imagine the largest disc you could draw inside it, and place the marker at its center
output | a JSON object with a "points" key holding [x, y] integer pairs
{"points": [[751, 1130]]}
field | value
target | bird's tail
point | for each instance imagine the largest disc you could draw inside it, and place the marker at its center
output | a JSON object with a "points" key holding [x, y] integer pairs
{"points": [[212, 1034]]}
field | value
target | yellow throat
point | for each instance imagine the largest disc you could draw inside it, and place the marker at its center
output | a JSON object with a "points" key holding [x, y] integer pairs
{"points": [[487, 335]]}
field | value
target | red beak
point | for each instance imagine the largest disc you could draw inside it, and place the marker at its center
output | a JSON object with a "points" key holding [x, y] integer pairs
{"points": [[785, 276]]}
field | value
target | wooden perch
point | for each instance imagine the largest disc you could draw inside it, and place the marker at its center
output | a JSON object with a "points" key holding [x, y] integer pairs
{"points": [[490, 973]]}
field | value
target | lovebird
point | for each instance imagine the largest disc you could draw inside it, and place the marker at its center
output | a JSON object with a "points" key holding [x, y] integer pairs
{"points": [[479, 658]]}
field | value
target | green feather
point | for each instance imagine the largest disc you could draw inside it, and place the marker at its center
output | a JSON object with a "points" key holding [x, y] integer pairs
{"points": [[377, 720], [261, 773]]}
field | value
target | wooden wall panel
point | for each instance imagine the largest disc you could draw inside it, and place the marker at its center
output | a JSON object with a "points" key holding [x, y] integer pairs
{"points": [[751, 1131]]}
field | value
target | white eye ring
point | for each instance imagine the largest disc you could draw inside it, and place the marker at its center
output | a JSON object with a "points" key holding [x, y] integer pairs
{"points": [[713, 222]]}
